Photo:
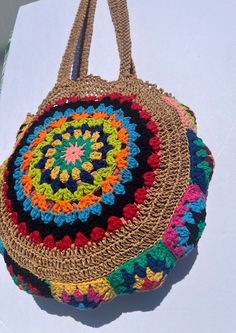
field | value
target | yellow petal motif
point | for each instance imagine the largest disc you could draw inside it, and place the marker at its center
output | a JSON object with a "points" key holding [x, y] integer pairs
{"points": [[49, 163], [139, 282], [155, 277], [57, 143], [55, 172], [95, 155], [66, 136], [77, 133], [97, 145], [75, 174], [87, 166], [50, 152], [86, 135], [95, 136], [64, 176]]}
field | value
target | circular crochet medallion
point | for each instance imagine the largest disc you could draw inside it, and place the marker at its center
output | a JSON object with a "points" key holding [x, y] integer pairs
{"points": [[81, 170]]}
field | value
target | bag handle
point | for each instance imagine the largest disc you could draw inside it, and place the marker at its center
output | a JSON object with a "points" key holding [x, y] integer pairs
{"points": [[120, 18], [75, 60]]}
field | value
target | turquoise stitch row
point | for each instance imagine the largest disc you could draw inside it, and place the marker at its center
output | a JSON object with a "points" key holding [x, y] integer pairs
{"points": [[133, 149], [109, 110], [2, 249], [83, 215]]}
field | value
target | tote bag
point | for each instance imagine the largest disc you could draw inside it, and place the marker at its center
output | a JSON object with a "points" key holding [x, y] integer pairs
{"points": [[106, 186]]}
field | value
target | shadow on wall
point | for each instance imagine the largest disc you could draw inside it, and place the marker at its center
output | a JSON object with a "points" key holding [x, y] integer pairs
{"points": [[141, 301]]}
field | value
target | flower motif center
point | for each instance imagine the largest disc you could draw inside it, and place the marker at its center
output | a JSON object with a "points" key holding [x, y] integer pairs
{"points": [[73, 153]]}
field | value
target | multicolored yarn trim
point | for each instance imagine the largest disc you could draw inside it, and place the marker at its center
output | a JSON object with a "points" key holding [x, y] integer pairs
{"points": [[187, 223], [80, 172], [202, 163], [25, 280], [83, 295], [186, 114], [145, 272]]}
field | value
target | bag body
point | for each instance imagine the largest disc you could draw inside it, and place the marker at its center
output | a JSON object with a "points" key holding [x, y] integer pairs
{"points": [[106, 187]]}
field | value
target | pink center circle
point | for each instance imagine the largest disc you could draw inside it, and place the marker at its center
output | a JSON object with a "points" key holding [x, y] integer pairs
{"points": [[73, 153]]}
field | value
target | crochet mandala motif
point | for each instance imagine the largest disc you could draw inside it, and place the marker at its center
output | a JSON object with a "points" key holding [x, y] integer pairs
{"points": [[78, 173], [84, 170]]}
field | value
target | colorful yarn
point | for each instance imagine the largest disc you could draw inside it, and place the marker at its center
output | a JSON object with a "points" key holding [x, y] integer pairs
{"points": [[79, 164], [80, 172], [187, 223], [202, 163], [83, 295], [106, 187], [187, 116], [145, 272], [2, 249], [25, 280]]}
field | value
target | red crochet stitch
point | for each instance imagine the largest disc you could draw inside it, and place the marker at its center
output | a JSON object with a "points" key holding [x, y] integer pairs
{"points": [[81, 239], [114, 223], [130, 211], [97, 234]]}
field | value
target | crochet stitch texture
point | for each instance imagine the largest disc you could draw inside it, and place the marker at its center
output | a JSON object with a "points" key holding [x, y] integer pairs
{"points": [[106, 187]]}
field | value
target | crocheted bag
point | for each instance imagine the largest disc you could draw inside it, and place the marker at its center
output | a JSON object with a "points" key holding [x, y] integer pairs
{"points": [[106, 187]]}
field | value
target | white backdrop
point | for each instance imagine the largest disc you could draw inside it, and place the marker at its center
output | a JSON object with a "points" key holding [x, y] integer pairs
{"points": [[188, 48]]}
